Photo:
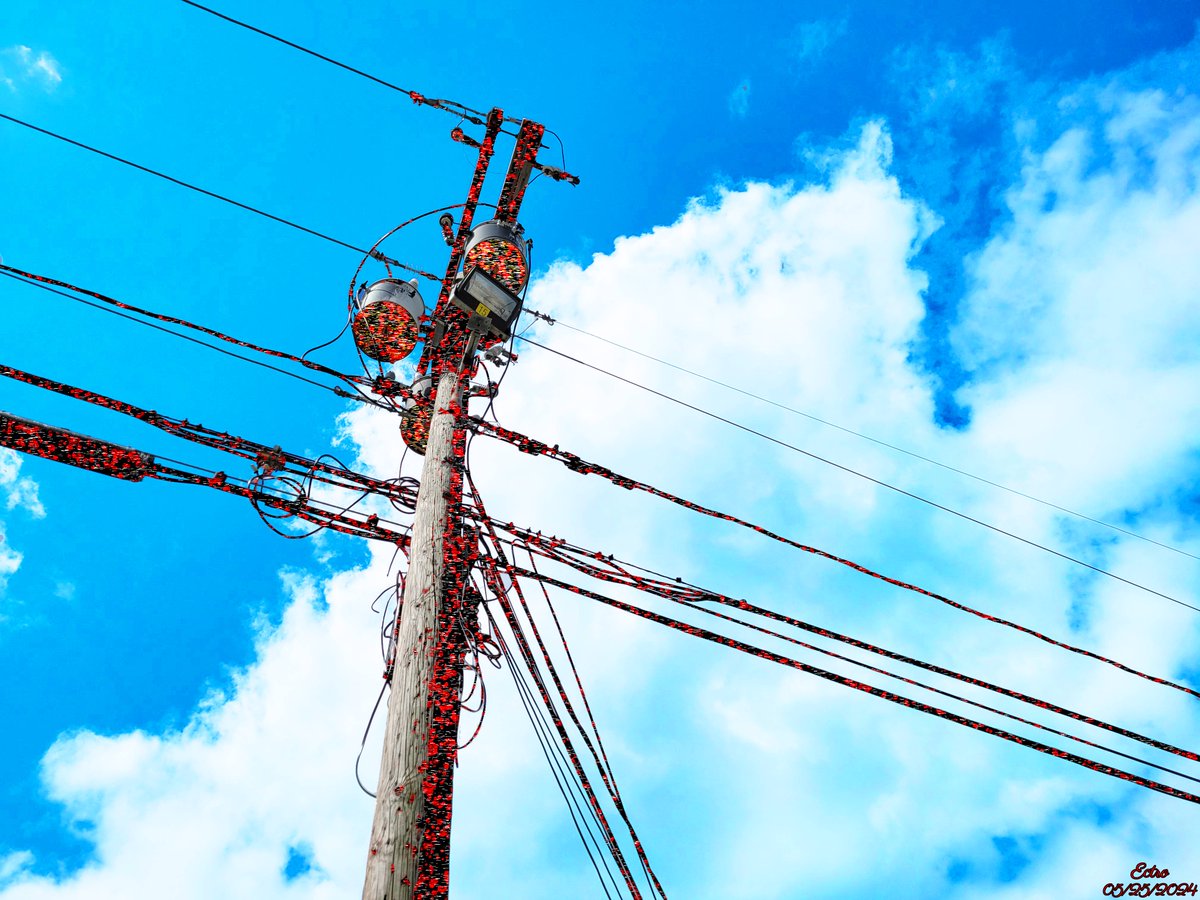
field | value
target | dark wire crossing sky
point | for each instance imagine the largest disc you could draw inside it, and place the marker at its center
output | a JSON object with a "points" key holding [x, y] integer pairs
{"points": [[965, 230]]}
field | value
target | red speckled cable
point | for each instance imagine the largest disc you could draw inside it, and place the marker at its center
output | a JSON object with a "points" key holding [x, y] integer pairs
{"points": [[267, 458], [381, 386], [689, 595], [857, 685], [577, 464], [116, 461], [492, 577], [609, 783]]}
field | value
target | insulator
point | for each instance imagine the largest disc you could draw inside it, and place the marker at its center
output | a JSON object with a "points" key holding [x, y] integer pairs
{"points": [[387, 326], [498, 249]]}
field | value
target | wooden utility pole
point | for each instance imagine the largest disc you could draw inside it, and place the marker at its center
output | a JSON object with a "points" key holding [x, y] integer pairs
{"points": [[410, 835], [409, 853]]}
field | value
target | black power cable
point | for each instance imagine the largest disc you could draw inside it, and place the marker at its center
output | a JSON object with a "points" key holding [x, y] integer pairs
{"points": [[890, 487], [559, 770], [294, 46], [191, 187], [185, 337], [859, 434]]}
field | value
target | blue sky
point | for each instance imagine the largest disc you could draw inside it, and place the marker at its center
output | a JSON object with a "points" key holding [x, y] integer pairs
{"points": [[967, 229]]}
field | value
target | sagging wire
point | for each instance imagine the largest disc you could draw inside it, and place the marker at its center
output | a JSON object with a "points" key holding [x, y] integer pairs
{"points": [[891, 487], [577, 464], [691, 596], [301, 490]]}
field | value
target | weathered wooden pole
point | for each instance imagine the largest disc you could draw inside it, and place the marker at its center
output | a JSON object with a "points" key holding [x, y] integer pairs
{"points": [[410, 836]]}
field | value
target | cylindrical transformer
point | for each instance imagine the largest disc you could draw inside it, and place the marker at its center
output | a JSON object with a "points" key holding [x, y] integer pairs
{"points": [[418, 413], [498, 249], [388, 322]]}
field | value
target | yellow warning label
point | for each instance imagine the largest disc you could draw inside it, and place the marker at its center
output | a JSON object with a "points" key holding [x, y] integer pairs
{"points": [[482, 310]]}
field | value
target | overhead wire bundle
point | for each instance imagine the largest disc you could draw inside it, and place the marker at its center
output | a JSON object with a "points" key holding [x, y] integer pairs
{"points": [[605, 568], [484, 572], [494, 564]]}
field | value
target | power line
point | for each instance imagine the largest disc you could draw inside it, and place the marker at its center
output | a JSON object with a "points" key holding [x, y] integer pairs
{"points": [[383, 258], [582, 466], [780, 659], [596, 565], [866, 437], [890, 487], [450, 106], [185, 337], [606, 775], [567, 786], [385, 387], [245, 206]]}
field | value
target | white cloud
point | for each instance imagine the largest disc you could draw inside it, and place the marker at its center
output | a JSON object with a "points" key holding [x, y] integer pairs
{"points": [[212, 811], [27, 66], [746, 781], [739, 99], [18, 491], [811, 39], [10, 559]]}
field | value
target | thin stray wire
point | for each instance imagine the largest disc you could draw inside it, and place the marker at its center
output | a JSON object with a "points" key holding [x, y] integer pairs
{"points": [[208, 193], [877, 481], [363, 745], [525, 694], [117, 312], [450, 105], [866, 437]]}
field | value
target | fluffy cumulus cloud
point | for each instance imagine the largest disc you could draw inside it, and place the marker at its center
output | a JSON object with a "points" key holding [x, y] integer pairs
{"points": [[20, 492], [256, 780], [21, 65], [747, 780]]}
